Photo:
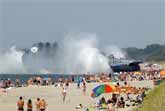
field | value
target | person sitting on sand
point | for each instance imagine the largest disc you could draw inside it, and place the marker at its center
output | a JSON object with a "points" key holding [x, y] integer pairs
{"points": [[117, 84], [121, 103], [110, 106], [20, 104], [29, 105], [43, 105], [114, 99], [102, 101], [38, 104], [126, 85]]}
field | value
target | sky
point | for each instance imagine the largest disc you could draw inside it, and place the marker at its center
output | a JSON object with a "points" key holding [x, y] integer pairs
{"points": [[123, 23]]}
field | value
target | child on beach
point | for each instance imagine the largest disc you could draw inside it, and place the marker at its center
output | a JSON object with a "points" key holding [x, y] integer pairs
{"points": [[20, 104], [29, 105]]}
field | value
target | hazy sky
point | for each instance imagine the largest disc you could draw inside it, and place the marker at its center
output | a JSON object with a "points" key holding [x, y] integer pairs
{"points": [[120, 22]]}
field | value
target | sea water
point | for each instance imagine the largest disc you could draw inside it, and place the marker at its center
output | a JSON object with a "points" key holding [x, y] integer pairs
{"points": [[24, 77]]}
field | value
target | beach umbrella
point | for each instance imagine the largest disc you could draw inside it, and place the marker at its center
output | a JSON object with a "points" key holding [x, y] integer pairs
{"points": [[162, 73], [104, 88]]}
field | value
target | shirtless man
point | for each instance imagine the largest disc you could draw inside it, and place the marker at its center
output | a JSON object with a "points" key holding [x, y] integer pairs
{"points": [[38, 104], [43, 105], [20, 104]]}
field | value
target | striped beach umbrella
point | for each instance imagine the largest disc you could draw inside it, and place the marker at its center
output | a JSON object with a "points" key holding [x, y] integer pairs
{"points": [[104, 88]]}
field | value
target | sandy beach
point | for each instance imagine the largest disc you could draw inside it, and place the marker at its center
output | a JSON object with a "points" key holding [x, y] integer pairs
{"points": [[53, 96]]}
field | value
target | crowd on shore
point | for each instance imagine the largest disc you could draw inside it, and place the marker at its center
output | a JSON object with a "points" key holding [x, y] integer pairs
{"points": [[111, 104], [124, 96], [40, 104], [101, 77]]}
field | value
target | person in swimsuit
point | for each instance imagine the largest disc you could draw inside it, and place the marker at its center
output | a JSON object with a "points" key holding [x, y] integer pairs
{"points": [[84, 88], [20, 104], [38, 104], [43, 105], [64, 92], [121, 103], [29, 105], [110, 106]]}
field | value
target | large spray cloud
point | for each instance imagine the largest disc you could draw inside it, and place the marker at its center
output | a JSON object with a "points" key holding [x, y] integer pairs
{"points": [[81, 55], [11, 61], [115, 51], [78, 53]]}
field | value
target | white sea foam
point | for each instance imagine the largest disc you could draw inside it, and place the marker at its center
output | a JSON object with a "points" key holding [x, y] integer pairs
{"points": [[77, 54]]}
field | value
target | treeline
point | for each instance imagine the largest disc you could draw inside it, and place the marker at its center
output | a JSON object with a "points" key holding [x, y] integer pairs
{"points": [[153, 52]]}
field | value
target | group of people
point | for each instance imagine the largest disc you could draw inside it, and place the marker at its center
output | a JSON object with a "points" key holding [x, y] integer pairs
{"points": [[138, 76], [65, 86], [41, 105], [83, 81], [6, 83], [122, 76], [112, 103], [119, 98], [39, 81], [115, 102]]}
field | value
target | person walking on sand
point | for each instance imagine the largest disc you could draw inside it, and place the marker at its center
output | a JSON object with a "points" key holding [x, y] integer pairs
{"points": [[20, 104], [38, 104], [64, 92], [84, 87], [43, 105], [29, 105]]}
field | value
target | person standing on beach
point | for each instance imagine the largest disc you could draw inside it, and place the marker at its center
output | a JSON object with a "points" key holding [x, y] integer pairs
{"points": [[29, 105], [38, 104], [20, 104], [17, 84], [64, 92], [43, 105], [78, 83], [84, 87]]}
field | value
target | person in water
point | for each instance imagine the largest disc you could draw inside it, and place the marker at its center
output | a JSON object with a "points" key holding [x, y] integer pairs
{"points": [[29, 105], [20, 104]]}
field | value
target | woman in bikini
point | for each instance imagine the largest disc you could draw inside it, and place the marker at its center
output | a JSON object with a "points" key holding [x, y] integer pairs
{"points": [[29, 105]]}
